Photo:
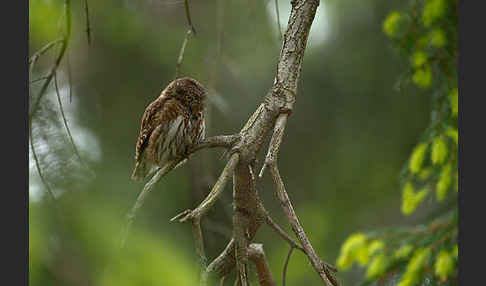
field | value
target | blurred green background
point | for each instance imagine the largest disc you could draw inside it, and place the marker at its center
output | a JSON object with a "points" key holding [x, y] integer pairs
{"points": [[350, 134]]}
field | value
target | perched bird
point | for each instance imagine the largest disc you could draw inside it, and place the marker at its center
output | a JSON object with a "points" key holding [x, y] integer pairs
{"points": [[171, 124]]}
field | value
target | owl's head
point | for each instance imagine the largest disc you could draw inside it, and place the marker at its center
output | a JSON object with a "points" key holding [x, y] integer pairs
{"points": [[189, 92]]}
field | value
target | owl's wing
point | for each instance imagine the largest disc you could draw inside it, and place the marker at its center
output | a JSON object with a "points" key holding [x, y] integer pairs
{"points": [[156, 118]]}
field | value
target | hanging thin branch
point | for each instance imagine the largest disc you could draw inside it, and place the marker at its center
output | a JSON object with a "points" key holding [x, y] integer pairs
{"points": [[181, 53], [188, 17], [44, 49], [284, 272], [70, 81], [88, 26]]}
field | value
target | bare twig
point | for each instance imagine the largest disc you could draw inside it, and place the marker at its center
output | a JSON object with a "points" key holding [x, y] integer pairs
{"points": [[284, 272], [38, 79], [257, 255], [181, 53], [44, 49], [274, 146], [88, 26], [320, 266], [280, 231], [188, 17], [161, 172], [270, 161], [68, 63]]}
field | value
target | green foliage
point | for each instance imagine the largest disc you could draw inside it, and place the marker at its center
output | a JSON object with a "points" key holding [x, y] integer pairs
{"points": [[423, 77], [454, 101], [403, 251], [419, 58], [437, 38], [411, 199], [414, 267], [391, 24], [377, 266], [417, 158], [428, 39], [444, 264], [439, 150], [444, 182], [433, 11], [350, 250]]}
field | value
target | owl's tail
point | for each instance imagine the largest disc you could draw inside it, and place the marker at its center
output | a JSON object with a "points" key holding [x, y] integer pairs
{"points": [[139, 172]]}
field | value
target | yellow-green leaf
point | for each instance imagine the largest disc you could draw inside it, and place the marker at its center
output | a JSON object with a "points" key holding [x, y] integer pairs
{"points": [[444, 182], [454, 100], [439, 150], [403, 251], [408, 199], [423, 77], [417, 158], [420, 195], [452, 133], [433, 10], [411, 275], [391, 24], [375, 246], [349, 250], [425, 173], [437, 38], [444, 265], [377, 266], [419, 58]]}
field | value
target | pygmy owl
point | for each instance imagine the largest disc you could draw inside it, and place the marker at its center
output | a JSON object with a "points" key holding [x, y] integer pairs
{"points": [[171, 124]]}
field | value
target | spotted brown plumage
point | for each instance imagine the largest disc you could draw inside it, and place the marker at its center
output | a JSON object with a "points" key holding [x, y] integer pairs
{"points": [[171, 124]]}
